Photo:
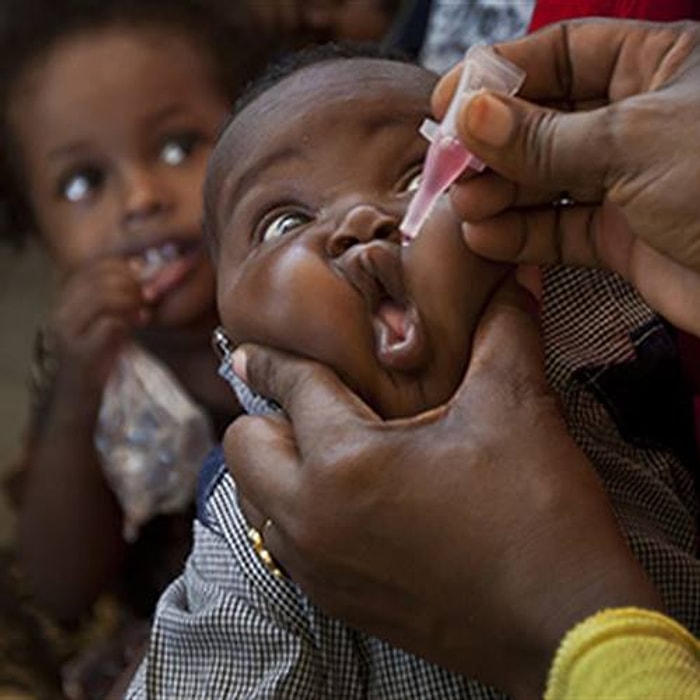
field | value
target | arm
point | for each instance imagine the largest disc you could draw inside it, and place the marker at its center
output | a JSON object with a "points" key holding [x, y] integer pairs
{"points": [[626, 653], [621, 140], [70, 523]]}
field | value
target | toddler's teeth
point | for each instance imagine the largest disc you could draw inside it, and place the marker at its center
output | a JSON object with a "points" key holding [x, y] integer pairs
{"points": [[152, 256], [148, 268], [169, 252], [155, 258]]}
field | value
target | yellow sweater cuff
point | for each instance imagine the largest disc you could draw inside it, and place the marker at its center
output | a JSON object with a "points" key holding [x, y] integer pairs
{"points": [[626, 653]]}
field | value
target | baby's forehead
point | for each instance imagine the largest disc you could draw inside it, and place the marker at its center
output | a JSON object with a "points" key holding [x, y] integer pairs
{"points": [[395, 89], [338, 82]]}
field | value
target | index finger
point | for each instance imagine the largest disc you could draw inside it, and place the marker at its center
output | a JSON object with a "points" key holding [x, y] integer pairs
{"points": [[592, 59], [304, 388], [583, 62], [507, 352]]}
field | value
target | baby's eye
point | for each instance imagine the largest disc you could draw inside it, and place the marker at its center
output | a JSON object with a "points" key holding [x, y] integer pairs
{"points": [[177, 149], [283, 223], [79, 185], [412, 182]]}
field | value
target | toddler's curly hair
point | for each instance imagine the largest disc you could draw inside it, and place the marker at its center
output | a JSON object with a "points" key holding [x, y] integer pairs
{"points": [[29, 29]]}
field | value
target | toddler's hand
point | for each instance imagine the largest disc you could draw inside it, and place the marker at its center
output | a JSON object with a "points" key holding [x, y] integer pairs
{"points": [[97, 307], [625, 148]]}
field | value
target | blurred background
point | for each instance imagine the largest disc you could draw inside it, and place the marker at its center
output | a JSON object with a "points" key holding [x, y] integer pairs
{"points": [[25, 280]]}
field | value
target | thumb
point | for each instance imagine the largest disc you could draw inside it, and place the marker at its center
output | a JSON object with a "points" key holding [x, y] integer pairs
{"points": [[507, 352], [537, 146]]}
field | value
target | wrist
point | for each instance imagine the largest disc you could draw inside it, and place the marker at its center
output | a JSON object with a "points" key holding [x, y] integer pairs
{"points": [[616, 650], [588, 579]]}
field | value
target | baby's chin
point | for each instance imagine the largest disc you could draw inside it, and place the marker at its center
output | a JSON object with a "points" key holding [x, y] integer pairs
{"points": [[411, 398]]}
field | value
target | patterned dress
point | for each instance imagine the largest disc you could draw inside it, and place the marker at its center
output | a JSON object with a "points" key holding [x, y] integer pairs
{"points": [[455, 26]]}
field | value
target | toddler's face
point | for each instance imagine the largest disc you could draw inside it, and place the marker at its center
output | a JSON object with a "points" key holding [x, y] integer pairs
{"points": [[350, 20], [114, 130], [306, 193]]}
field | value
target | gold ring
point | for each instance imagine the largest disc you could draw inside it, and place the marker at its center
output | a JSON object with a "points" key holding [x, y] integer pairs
{"points": [[264, 555]]}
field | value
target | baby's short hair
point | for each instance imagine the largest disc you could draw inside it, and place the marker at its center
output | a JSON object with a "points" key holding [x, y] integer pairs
{"points": [[283, 67], [288, 64]]}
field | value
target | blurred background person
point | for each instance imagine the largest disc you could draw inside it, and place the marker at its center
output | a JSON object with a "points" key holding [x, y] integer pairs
{"points": [[109, 110]]}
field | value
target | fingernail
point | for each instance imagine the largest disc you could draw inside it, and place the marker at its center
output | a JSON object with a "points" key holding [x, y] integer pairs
{"points": [[238, 363], [489, 120]]}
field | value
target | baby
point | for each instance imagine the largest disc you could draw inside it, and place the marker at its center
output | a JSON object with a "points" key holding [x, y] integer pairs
{"points": [[304, 196], [319, 270]]}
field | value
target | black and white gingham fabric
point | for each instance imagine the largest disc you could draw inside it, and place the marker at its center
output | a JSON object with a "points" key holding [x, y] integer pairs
{"points": [[227, 628], [251, 402]]}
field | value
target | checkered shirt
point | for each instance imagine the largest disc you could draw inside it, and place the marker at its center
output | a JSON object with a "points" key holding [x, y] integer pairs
{"points": [[226, 628]]}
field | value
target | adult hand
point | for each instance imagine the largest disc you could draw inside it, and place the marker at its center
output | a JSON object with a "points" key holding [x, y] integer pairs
{"points": [[435, 533], [618, 128]]}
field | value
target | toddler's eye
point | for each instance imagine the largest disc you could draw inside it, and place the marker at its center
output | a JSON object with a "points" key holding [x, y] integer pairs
{"points": [[80, 185], [283, 223], [176, 150]]}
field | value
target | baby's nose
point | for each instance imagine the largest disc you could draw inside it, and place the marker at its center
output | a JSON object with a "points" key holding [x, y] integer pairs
{"points": [[361, 224]]}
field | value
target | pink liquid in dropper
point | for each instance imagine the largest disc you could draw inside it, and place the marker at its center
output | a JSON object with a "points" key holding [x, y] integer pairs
{"points": [[445, 160]]}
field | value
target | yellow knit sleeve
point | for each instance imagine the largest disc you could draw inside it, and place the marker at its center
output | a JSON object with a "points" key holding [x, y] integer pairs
{"points": [[626, 653]]}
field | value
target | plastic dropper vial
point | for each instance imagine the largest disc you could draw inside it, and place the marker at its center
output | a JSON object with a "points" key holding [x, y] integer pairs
{"points": [[447, 158]]}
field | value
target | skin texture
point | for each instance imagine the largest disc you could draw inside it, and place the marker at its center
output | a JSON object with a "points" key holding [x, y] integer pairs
{"points": [[113, 168], [439, 532], [308, 201], [619, 141]]}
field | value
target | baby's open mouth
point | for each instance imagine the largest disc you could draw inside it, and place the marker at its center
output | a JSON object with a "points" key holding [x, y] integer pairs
{"points": [[376, 270], [398, 336]]}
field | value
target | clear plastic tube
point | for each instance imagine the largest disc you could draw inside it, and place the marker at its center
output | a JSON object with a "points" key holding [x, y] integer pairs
{"points": [[447, 158]]}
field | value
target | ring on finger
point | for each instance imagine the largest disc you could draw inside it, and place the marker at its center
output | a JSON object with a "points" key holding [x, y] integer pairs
{"points": [[256, 538]]}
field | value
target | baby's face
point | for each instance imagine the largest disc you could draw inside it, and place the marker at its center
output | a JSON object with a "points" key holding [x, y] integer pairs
{"points": [[306, 193], [114, 130]]}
